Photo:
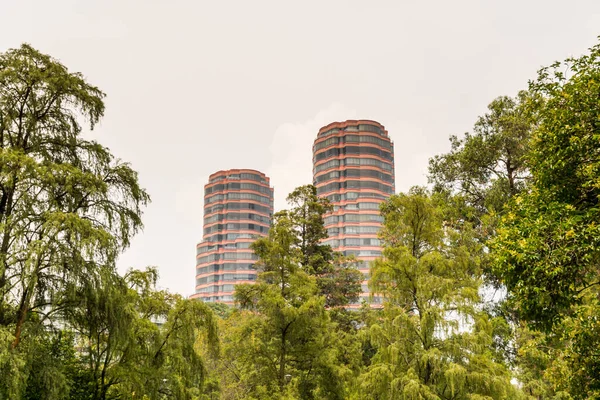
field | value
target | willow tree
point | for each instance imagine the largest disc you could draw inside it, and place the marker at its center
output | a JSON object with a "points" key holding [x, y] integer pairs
{"points": [[135, 340], [67, 207], [432, 341]]}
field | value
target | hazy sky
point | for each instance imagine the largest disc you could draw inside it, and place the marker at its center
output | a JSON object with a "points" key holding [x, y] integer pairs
{"points": [[198, 86]]}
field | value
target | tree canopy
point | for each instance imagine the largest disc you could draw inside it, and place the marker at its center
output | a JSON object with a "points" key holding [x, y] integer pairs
{"points": [[512, 209], [432, 341], [546, 250], [70, 326]]}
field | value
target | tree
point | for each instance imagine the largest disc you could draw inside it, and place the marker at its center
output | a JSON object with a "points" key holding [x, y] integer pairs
{"points": [[221, 310], [546, 251], [481, 173], [51, 366], [134, 339], [432, 341], [307, 216], [67, 208], [489, 166], [286, 346], [337, 276], [550, 237]]}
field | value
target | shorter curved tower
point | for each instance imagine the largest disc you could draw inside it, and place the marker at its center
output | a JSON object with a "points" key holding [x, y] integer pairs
{"points": [[353, 167], [238, 206]]}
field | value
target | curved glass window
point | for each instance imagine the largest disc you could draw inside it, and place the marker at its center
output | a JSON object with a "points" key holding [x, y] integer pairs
{"points": [[329, 132], [239, 245], [386, 154], [237, 206], [353, 139], [253, 177], [237, 196], [354, 161], [235, 227], [225, 277], [362, 253], [225, 256], [327, 143], [354, 185], [361, 229], [237, 186], [240, 256], [355, 173], [231, 236], [353, 230], [237, 216], [353, 195], [329, 164], [371, 128], [362, 242], [334, 219], [216, 289], [355, 128], [368, 161], [358, 206], [225, 267]]}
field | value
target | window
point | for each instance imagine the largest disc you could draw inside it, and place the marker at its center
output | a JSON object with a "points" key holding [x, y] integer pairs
{"points": [[354, 195], [367, 150], [237, 196], [237, 206]]}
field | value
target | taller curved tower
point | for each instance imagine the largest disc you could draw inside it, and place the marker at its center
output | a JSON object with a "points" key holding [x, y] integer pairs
{"points": [[238, 205], [353, 167]]}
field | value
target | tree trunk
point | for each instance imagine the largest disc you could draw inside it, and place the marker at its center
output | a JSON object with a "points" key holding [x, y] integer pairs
{"points": [[282, 364], [6, 205], [21, 315]]}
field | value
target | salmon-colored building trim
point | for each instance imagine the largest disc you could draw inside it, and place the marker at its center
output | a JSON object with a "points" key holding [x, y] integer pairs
{"points": [[369, 142], [223, 258]]}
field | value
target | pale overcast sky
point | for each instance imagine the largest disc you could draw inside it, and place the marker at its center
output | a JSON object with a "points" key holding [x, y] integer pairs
{"points": [[198, 86]]}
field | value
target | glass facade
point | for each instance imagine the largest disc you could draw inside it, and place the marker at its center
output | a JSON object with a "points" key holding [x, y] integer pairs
{"points": [[353, 167], [238, 206]]}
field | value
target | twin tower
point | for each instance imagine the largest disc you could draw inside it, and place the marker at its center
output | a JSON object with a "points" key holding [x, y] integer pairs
{"points": [[353, 167]]}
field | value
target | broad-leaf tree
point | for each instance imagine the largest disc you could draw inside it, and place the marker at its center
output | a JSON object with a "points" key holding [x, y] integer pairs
{"points": [[489, 165], [547, 250]]}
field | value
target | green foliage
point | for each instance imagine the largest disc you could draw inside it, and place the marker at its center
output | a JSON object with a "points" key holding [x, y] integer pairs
{"points": [[287, 343], [307, 216], [546, 251], [486, 168], [72, 328], [134, 339], [220, 309], [65, 205], [284, 344], [337, 276], [67, 208], [53, 357], [489, 166], [432, 341]]}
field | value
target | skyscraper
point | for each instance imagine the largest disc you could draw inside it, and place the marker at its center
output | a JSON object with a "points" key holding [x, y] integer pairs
{"points": [[238, 205], [353, 167]]}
